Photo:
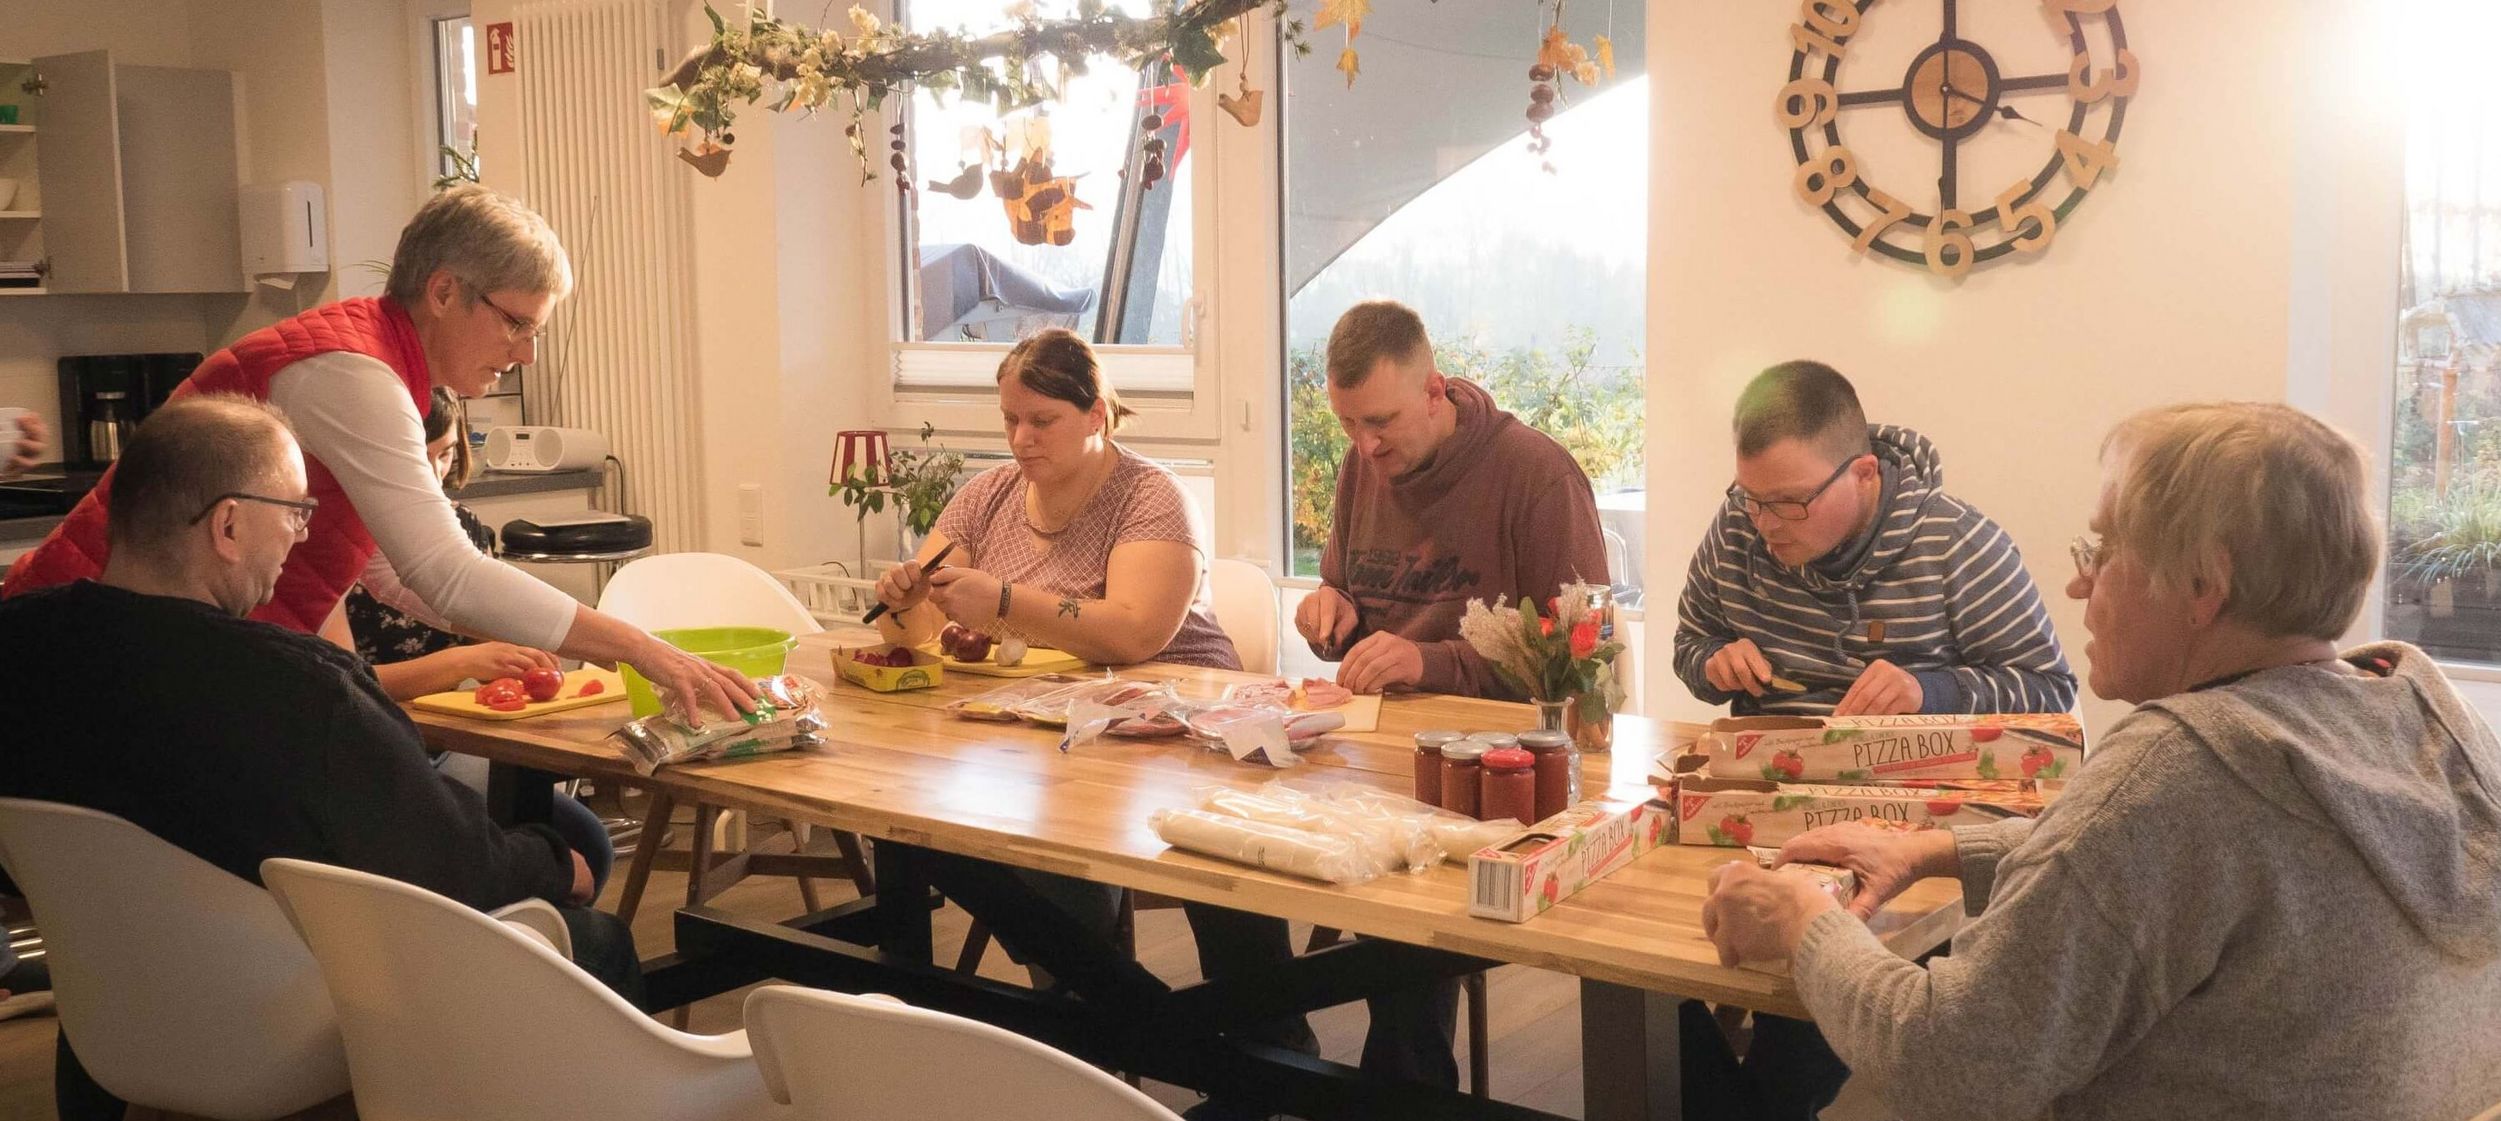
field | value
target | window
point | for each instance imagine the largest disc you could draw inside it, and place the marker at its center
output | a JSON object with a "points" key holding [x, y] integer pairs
{"points": [[456, 97], [2444, 525], [1418, 184], [995, 248]]}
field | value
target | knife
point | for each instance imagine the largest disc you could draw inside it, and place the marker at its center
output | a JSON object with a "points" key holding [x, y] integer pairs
{"points": [[934, 564]]}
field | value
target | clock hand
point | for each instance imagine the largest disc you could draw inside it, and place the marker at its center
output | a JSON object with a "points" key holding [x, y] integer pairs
{"points": [[2007, 111]]}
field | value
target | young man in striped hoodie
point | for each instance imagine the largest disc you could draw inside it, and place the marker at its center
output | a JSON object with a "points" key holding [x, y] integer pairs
{"points": [[1840, 578]]}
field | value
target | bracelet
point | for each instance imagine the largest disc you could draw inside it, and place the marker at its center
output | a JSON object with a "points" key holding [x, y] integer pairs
{"points": [[1004, 589]]}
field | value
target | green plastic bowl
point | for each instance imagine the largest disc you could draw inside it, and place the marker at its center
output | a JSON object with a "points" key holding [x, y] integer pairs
{"points": [[753, 651]]}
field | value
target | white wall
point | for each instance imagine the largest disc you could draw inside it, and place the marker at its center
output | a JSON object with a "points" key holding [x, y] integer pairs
{"points": [[2245, 249]]}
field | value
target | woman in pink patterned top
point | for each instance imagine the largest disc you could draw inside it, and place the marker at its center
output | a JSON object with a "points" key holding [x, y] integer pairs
{"points": [[1080, 545]]}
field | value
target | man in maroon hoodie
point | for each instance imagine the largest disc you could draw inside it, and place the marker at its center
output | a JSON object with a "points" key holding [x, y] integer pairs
{"points": [[1443, 498]]}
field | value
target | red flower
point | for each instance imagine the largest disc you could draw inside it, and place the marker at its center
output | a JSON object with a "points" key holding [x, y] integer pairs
{"points": [[1584, 638], [1545, 625]]}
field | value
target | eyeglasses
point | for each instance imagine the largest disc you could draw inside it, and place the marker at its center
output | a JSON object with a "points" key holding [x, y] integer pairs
{"points": [[2087, 554], [1786, 509], [299, 514], [516, 329]]}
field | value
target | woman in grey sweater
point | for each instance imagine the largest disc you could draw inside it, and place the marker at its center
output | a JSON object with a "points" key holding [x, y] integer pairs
{"points": [[2273, 891]]}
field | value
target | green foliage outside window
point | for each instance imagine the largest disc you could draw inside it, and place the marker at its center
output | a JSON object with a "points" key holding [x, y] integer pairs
{"points": [[1594, 411]]}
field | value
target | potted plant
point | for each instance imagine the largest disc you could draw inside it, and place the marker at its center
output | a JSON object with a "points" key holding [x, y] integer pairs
{"points": [[2450, 547], [1561, 659], [918, 482]]}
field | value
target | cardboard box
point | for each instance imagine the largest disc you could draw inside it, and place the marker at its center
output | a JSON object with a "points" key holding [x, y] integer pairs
{"points": [[1519, 880], [926, 670], [1998, 746], [1744, 812]]}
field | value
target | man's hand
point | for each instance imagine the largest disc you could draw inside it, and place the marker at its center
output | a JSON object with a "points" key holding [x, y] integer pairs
{"points": [[26, 448], [1325, 619], [968, 596], [580, 894], [487, 661], [1738, 667], [1381, 662], [689, 685], [1883, 689], [1755, 914], [1886, 862]]}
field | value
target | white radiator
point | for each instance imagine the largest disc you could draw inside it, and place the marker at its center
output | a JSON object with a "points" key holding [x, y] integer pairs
{"points": [[620, 356]]}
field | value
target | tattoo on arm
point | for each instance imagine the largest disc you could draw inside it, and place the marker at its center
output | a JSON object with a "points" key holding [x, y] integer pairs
{"points": [[1069, 607]]}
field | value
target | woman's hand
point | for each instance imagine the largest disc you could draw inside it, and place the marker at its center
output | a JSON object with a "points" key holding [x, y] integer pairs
{"points": [[903, 587], [487, 661], [690, 686], [1885, 861], [1757, 914], [968, 596]]}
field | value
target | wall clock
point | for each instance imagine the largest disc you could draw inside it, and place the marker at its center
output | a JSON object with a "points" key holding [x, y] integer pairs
{"points": [[2014, 110]]}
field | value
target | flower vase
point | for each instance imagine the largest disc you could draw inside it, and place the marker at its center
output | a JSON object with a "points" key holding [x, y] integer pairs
{"points": [[1551, 715], [1591, 725]]}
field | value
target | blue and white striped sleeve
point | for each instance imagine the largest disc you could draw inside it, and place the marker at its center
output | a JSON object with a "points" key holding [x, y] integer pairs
{"points": [[1701, 627], [2010, 660]]}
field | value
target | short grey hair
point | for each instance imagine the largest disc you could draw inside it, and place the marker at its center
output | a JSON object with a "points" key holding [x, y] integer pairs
{"points": [[188, 452], [1806, 401], [1369, 332], [2263, 496], [486, 238]]}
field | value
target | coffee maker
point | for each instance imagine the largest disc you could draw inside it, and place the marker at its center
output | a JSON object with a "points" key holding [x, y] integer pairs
{"points": [[105, 396]]}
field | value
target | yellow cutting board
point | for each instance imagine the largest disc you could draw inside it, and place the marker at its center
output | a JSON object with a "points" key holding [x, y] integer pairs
{"points": [[460, 703], [1039, 660]]}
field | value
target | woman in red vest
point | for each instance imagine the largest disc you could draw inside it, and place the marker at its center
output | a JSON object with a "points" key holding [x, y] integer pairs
{"points": [[472, 284]]}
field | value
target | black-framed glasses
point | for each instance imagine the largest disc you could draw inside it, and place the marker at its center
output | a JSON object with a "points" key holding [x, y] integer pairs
{"points": [[516, 329], [2087, 554], [1787, 509], [299, 514]]}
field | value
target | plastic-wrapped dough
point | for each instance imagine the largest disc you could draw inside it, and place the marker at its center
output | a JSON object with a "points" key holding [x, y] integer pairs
{"points": [[1277, 848]]}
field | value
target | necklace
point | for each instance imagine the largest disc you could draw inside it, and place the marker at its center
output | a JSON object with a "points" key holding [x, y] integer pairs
{"points": [[1034, 498]]}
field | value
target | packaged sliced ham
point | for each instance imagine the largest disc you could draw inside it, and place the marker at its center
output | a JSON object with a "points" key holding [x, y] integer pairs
{"points": [[787, 716], [999, 705]]}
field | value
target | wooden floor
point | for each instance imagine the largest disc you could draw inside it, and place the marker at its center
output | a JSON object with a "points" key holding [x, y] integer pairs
{"points": [[1534, 1016]]}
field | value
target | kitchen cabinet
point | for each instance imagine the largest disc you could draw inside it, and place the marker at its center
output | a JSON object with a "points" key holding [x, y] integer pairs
{"points": [[137, 177]]}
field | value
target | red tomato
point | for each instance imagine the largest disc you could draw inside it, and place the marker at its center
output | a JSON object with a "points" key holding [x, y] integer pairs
{"points": [[512, 683], [592, 688], [508, 702], [542, 684]]}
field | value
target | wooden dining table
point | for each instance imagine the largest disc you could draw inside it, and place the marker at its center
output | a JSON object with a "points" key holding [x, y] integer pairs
{"points": [[900, 768]]}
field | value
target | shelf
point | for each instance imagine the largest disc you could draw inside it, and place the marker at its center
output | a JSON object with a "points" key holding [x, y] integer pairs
{"points": [[24, 292], [21, 214], [16, 128]]}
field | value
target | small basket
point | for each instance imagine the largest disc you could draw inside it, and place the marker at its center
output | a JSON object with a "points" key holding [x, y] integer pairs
{"points": [[925, 672]]}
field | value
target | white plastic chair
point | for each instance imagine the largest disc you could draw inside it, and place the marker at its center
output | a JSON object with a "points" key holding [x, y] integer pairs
{"points": [[180, 985], [1246, 607], [2493, 1114], [703, 590], [449, 1014], [836, 1055]]}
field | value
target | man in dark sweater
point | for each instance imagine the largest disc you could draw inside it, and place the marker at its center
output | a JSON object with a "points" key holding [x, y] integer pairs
{"points": [[146, 694], [1443, 498]]}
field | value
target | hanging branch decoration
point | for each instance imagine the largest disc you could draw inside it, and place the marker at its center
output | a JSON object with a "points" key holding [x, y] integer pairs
{"points": [[787, 67], [1350, 13]]}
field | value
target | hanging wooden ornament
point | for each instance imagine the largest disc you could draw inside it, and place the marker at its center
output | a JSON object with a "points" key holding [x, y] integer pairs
{"points": [[1243, 104]]}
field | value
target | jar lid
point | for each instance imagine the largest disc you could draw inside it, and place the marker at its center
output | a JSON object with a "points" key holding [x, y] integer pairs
{"points": [[1465, 751], [1508, 759], [1437, 739], [1496, 739], [1545, 740]]}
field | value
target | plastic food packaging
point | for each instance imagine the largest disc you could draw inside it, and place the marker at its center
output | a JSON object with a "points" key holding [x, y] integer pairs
{"points": [[1145, 715], [1277, 848], [1395, 833], [1261, 733], [787, 716], [1052, 708], [1000, 704]]}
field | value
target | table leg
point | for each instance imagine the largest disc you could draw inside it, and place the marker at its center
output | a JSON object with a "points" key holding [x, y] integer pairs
{"points": [[1631, 1064]]}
